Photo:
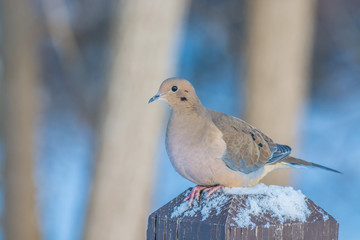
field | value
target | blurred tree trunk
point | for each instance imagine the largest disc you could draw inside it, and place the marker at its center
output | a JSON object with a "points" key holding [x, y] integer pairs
{"points": [[280, 37], [18, 113], [143, 42]]}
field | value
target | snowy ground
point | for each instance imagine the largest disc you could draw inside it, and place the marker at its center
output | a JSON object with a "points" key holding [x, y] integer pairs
{"points": [[282, 203], [330, 136]]}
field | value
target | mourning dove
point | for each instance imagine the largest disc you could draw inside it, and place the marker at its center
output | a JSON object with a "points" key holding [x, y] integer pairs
{"points": [[216, 150]]}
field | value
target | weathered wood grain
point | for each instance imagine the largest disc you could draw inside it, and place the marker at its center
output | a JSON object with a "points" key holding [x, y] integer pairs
{"points": [[221, 225]]}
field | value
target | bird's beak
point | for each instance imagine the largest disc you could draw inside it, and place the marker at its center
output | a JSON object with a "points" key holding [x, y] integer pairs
{"points": [[156, 97]]}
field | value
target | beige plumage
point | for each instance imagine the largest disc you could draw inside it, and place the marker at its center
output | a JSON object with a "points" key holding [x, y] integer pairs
{"points": [[213, 149]]}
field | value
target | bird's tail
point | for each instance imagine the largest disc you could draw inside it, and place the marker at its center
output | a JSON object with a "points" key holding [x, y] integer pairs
{"points": [[295, 162]]}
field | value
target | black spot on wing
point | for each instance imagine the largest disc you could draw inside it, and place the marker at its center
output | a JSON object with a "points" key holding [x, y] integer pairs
{"points": [[278, 152], [252, 135], [235, 128]]}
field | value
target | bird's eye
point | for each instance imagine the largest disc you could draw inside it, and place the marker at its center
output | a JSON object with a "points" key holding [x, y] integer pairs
{"points": [[174, 88]]}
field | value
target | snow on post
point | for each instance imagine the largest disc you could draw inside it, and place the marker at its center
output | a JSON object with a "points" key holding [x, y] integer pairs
{"points": [[260, 212]]}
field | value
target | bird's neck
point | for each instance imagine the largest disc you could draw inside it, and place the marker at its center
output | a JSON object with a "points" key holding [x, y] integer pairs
{"points": [[188, 120]]}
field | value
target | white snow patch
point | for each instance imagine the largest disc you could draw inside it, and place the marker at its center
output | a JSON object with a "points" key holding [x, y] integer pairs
{"points": [[324, 215], [216, 203], [283, 203]]}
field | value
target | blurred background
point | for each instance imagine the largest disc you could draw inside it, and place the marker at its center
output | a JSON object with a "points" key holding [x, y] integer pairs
{"points": [[82, 153]]}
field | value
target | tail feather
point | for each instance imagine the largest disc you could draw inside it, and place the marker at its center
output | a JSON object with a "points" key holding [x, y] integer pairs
{"points": [[295, 162]]}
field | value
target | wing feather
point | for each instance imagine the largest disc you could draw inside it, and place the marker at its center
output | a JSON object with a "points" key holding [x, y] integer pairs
{"points": [[247, 149]]}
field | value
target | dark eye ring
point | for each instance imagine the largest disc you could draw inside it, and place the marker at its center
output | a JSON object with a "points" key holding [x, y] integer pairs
{"points": [[174, 88]]}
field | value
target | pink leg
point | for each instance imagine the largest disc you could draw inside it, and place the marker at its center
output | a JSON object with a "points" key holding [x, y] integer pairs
{"points": [[212, 190], [195, 193]]}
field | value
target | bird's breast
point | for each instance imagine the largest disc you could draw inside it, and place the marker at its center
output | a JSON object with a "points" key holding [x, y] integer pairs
{"points": [[195, 151]]}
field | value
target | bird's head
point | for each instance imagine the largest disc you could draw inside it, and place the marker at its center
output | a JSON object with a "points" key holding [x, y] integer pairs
{"points": [[177, 92]]}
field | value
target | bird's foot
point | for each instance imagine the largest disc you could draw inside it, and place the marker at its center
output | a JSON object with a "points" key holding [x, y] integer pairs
{"points": [[196, 191], [212, 190]]}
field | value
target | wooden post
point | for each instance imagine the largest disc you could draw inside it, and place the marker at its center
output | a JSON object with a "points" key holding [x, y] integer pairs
{"points": [[218, 218]]}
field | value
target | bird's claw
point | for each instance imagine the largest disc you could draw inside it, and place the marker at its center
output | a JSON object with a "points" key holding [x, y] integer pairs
{"points": [[213, 189], [196, 192]]}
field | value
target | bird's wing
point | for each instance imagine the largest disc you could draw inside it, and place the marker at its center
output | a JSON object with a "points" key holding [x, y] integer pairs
{"points": [[247, 149]]}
